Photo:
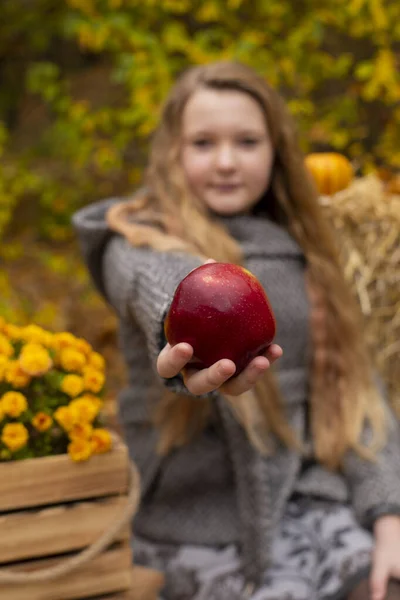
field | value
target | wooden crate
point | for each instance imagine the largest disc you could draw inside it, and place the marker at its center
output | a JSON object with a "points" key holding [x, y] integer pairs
{"points": [[146, 585], [50, 509]]}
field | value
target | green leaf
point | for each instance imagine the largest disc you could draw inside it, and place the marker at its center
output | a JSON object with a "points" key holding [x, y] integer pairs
{"points": [[364, 70]]}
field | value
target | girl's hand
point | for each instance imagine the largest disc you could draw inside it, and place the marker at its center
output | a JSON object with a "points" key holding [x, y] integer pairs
{"points": [[386, 559], [174, 360]]}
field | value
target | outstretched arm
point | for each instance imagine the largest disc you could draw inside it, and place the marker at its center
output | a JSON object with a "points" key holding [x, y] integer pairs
{"points": [[140, 283]]}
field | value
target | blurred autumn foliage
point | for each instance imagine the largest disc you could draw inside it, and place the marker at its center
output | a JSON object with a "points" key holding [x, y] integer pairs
{"points": [[82, 83]]}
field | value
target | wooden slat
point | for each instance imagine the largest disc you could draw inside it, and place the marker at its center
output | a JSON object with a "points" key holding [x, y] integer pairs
{"points": [[146, 585], [54, 479], [59, 529], [110, 572]]}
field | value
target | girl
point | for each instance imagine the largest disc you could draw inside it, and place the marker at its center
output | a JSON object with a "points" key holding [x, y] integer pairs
{"points": [[280, 483]]}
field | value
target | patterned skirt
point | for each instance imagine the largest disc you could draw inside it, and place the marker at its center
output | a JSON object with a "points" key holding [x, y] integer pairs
{"points": [[320, 552]]}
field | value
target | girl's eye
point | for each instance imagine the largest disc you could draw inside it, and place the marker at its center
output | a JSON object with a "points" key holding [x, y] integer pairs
{"points": [[249, 141], [201, 143]]}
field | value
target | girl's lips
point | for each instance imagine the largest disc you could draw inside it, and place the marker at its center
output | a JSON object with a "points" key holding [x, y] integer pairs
{"points": [[225, 187]]}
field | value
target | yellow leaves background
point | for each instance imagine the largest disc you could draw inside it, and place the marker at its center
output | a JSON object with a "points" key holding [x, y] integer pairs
{"points": [[82, 89]]}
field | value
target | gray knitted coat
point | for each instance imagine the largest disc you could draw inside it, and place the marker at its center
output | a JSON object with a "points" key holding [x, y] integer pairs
{"points": [[218, 489]]}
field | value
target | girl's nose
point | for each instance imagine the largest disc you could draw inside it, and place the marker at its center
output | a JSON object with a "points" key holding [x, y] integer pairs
{"points": [[226, 158]]}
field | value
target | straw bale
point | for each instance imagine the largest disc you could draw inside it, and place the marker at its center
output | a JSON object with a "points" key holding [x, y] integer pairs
{"points": [[366, 224]]}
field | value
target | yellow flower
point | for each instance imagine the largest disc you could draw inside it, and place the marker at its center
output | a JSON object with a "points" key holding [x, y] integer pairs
{"points": [[15, 375], [93, 379], [95, 400], [96, 361], [12, 331], [80, 431], [101, 441], [63, 340], [14, 436], [67, 417], [72, 385], [71, 359], [6, 348], [28, 352], [83, 346], [36, 335], [3, 366], [14, 404], [42, 421], [35, 360], [80, 449], [87, 407]]}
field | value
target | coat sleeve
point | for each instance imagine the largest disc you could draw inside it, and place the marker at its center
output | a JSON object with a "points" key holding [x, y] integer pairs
{"points": [[375, 486], [139, 283]]}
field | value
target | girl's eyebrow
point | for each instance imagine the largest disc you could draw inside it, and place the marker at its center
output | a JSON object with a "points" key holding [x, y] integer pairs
{"points": [[198, 132], [255, 132], [211, 132]]}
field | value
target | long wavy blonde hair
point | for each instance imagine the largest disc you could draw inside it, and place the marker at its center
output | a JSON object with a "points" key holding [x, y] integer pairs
{"points": [[166, 216]]}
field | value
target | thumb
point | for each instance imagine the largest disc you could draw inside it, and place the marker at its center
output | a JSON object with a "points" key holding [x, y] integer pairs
{"points": [[209, 260], [379, 577]]}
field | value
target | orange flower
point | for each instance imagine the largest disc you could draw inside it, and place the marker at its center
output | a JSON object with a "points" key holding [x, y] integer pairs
{"points": [[63, 340], [87, 407], [80, 450], [67, 417], [95, 400], [83, 346], [80, 431], [101, 441], [42, 421], [93, 380]]}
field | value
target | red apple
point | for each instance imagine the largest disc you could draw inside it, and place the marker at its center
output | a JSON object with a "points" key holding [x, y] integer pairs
{"points": [[222, 311]]}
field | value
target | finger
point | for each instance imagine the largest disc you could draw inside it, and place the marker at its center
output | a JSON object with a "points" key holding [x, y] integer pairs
{"points": [[246, 380], [210, 379], [209, 260], [379, 578], [172, 359], [273, 353]]}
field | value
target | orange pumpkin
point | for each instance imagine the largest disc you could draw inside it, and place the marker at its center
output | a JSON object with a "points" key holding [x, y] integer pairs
{"points": [[331, 171]]}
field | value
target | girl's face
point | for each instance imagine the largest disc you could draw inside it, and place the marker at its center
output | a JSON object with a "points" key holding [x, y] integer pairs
{"points": [[226, 150]]}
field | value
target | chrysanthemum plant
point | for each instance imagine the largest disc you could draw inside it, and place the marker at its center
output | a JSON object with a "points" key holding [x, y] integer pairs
{"points": [[51, 388]]}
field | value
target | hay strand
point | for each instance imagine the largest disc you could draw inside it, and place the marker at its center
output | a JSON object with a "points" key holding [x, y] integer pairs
{"points": [[366, 224]]}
